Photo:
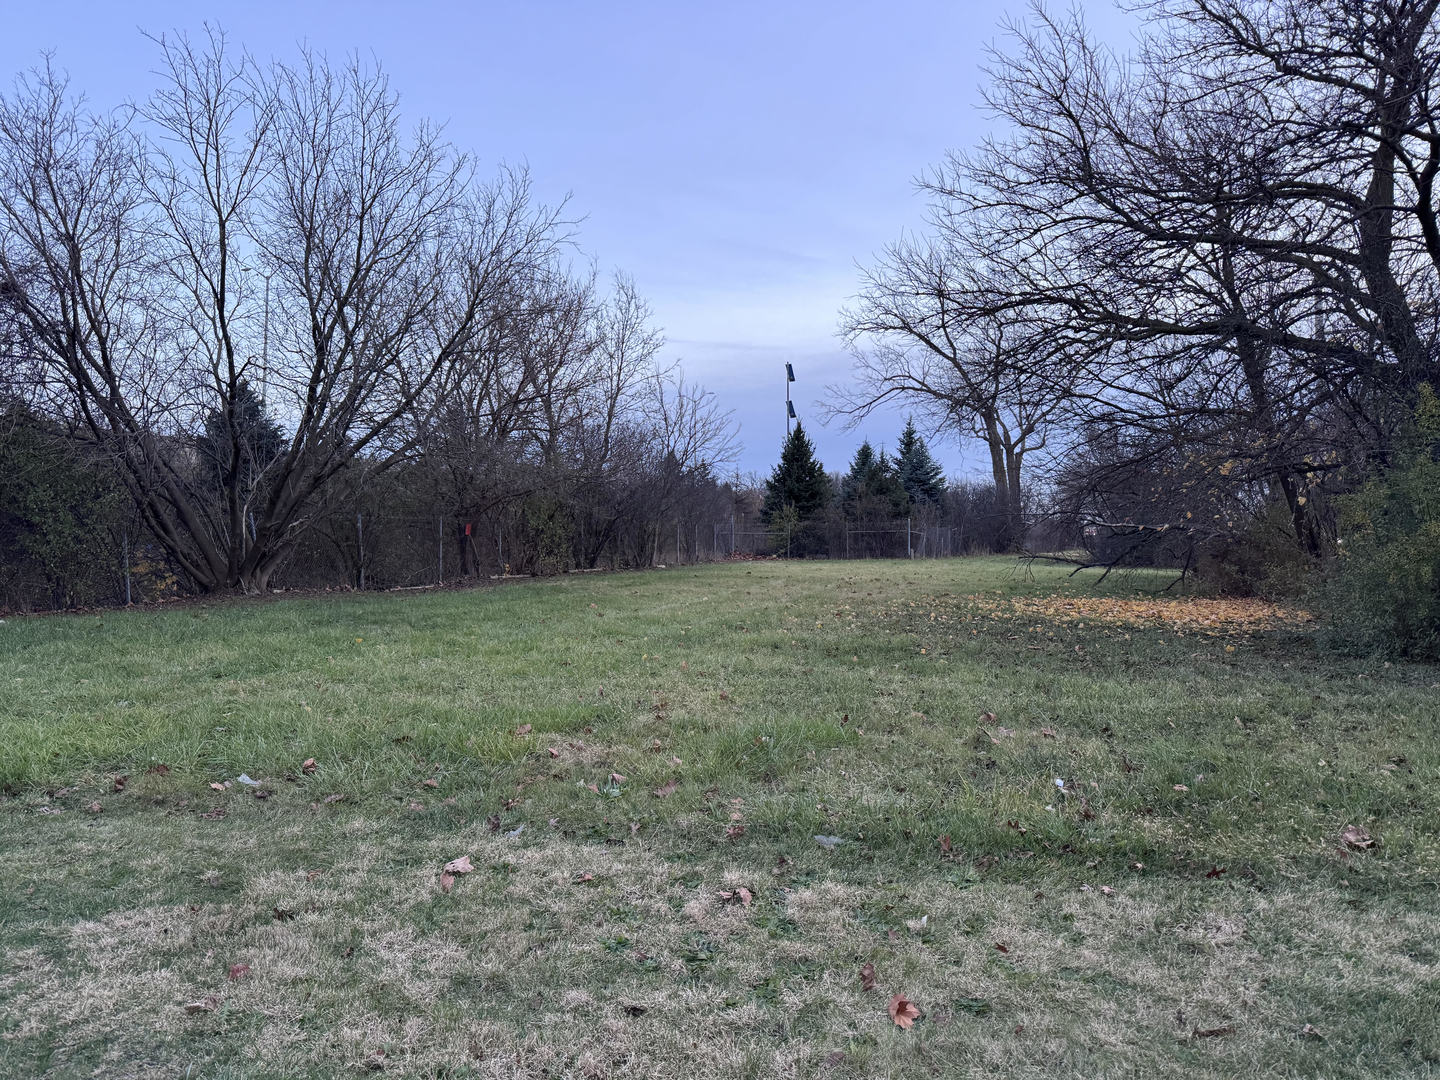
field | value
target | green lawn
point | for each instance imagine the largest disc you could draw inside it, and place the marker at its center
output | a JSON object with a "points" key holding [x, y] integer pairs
{"points": [[638, 766]]}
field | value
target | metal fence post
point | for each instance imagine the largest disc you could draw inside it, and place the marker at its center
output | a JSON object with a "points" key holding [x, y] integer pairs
{"points": [[125, 554], [360, 545]]}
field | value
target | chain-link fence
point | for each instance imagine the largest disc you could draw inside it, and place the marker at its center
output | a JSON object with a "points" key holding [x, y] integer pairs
{"points": [[896, 539]]}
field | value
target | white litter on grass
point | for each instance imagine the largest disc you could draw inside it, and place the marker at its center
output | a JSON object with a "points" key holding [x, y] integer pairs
{"points": [[243, 779], [515, 831], [828, 841], [1059, 782]]}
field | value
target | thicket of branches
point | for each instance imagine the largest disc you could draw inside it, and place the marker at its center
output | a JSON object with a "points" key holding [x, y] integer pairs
{"points": [[265, 308], [1192, 288]]}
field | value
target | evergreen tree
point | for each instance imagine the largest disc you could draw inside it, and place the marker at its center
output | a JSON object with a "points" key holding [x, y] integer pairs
{"points": [[872, 487], [920, 474], [261, 441], [798, 482]]}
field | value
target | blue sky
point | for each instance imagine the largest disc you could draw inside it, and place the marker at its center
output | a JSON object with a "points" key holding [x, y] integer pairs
{"points": [[737, 159]]}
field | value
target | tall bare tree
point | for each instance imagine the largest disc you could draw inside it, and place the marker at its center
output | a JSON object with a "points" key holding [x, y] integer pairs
{"points": [[1222, 242], [124, 241]]}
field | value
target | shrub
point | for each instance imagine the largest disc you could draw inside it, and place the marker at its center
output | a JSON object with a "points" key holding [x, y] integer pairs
{"points": [[1383, 592], [1263, 559]]}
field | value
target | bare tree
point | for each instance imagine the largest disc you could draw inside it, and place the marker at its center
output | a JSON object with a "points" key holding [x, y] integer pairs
{"points": [[1216, 251], [918, 338], [123, 240]]}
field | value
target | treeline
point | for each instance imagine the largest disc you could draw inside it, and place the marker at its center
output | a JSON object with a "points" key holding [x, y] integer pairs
{"points": [[256, 331], [1193, 292], [881, 507]]}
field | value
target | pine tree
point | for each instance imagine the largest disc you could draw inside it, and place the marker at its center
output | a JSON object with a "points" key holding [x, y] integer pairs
{"points": [[862, 471], [261, 440], [798, 482], [920, 474], [871, 487]]}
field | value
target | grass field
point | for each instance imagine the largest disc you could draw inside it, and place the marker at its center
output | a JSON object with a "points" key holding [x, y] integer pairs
{"points": [[1133, 867]]}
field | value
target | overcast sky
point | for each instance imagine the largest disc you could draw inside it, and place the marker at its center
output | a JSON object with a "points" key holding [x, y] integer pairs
{"points": [[737, 159]]}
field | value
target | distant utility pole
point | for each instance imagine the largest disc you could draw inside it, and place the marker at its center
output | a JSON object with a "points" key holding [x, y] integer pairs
{"points": [[789, 405]]}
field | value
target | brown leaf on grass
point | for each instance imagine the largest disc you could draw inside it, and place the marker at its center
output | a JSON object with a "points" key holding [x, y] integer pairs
{"points": [[492, 823], [216, 787], [239, 971], [734, 832], [1310, 1031], [447, 882], [417, 806], [120, 782], [1215, 871], [459, 866], [946, 847], [867, 977], [283, 914], [616, 778], [665, 790], [432, 782], [94, 808], [158, 770], [333, 798], [1048, 732], [1000, 946], [988, 718], [584, 878], [308, 766], [1210, 1033], [1107, 890], [1356, 837], [204, 1005], [554, 753], [903, 1011], [1181, 787], [523, 729], [742, 896]]}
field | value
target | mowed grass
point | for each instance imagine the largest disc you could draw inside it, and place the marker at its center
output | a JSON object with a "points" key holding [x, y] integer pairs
{"points": [[1181, 904]]}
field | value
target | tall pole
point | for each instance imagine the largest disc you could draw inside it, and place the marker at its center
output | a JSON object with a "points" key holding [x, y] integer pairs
{"points": [[789, 408]]}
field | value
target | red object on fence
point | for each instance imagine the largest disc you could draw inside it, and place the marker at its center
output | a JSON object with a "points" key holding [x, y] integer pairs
{"points": [[467, 528]]}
